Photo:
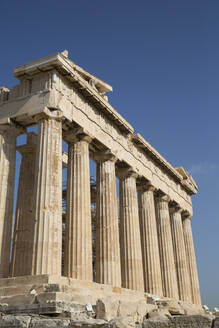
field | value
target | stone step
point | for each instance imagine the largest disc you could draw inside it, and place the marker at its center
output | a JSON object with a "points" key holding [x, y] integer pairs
{"points": [[15, 281]]}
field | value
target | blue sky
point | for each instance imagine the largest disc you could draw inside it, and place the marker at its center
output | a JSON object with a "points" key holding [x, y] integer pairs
{"points": [[162, 59]]}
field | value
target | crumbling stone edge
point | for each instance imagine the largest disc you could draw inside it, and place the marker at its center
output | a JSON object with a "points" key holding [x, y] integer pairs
{"points": [[156, 318]]}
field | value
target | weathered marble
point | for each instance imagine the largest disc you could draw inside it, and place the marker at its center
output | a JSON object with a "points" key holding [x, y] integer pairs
{"points": [[168, 269], [47, 212], [191, 260], [23, 229], [182, 272], [7, 174], [78, 241], [133, 249], [108, 269], [149, 241], [68, 89], [130, 240]]}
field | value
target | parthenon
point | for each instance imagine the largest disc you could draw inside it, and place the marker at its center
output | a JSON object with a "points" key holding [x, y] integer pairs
{"points": [[143, 238]]}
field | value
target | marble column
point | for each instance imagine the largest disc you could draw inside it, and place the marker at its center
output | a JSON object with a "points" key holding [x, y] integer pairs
{"points": [[191, 260], [108, 267], [78, 235], [183, 279], [8, 137], [149, 240], [168, 269], [47, 212], [23, 229], [130, 240]]}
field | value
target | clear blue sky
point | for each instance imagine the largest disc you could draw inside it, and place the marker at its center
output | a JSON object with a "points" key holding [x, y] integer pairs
{"points": [[162, 59]]}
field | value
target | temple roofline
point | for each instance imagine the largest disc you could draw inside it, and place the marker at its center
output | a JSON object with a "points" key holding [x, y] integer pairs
{"points": [[81, 79]]}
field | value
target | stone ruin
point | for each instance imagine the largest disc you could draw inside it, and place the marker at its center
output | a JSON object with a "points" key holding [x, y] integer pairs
{"points": [[129, 264]]}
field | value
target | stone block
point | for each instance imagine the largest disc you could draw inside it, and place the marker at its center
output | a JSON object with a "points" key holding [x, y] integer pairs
{"points": [[188, 321], [143, 309], [191, 309], [128, 308], [127, 322], [156, 322], [18, 299], [38, 322], [173, 306], [12, 321], [107, 309], [159, 313], [200, 321]]}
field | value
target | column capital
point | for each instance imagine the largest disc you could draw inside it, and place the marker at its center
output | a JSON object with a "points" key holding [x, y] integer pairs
{"points": [[73, 138], [104, 156], [145, 186], [126, 172], [175, 208], [77, 134], [186, 215], [163, 198], [11, 129], [49, 114]]}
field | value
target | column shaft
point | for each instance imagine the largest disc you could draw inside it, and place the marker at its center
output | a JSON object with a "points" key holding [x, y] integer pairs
{"points": [[149, 242], [130, 242], [168, 270], [47, 213], [180, 256], [78, 236], [108, 268], [23, 229], [7, 176], [191, 261]]}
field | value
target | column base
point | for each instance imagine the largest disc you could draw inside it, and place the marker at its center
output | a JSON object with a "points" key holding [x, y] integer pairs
{"points": [[58, 295]]}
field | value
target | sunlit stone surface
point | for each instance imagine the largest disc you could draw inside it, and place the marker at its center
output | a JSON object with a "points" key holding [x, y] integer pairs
{"points": [[112, 241]]}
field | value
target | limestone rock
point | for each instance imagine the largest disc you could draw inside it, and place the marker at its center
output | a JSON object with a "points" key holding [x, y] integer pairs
{"points": [[127, 308], [39, 322], [12, 321], [35, 321], [173, 306], [191, 309], [188, 321], [109, 309], [106, 309], [126, 322], [142, 310], [159, 313]]}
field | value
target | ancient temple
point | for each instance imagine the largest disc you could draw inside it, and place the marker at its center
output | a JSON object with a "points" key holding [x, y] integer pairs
{"points": [[140, 234]]}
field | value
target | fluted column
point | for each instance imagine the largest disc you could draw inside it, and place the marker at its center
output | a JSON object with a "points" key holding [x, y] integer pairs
{"points": [[23, 229], [130, 241], [78, 236], [149, 241], [168, 269], [108, 268], [7, 175], [47, 213], [183, 279], [191, 260]]}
